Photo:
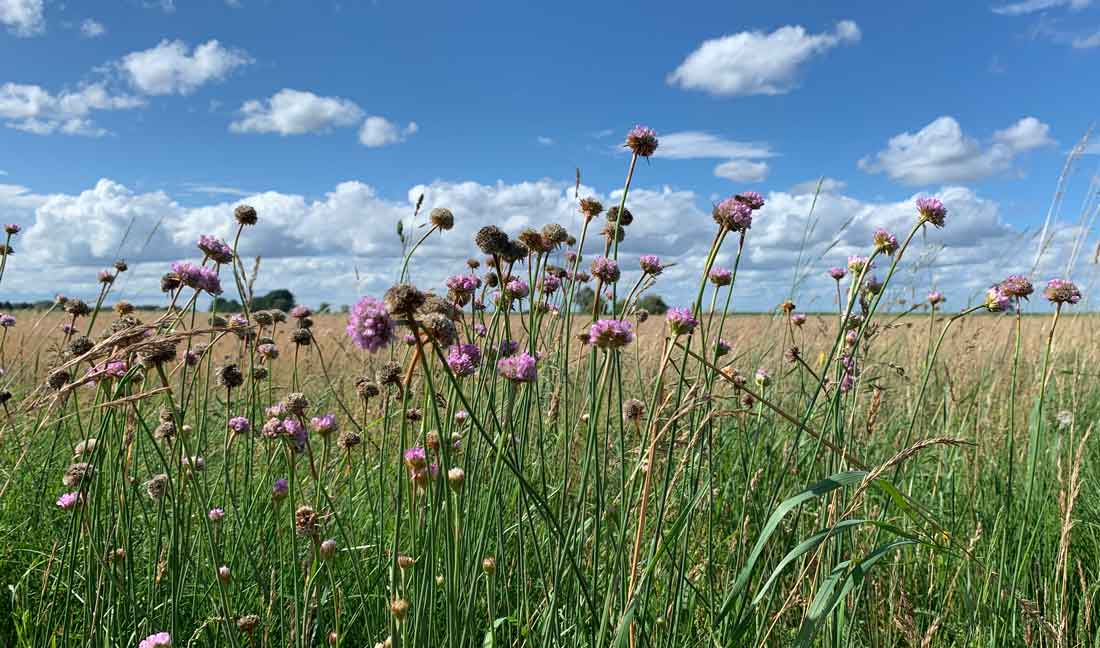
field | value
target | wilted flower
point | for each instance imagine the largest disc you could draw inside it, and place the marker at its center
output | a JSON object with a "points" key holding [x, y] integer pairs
{"points": [[518, 368], [610, 333], [680, 321], [12, 229], [763, 378], [369, 324], [328, 547], [931, 210], [642, 140], [456, 477], [1062, 291], [798, 319], [721, 348], [442, 218], [280, 489], [590, 207], [7, 321], [633, 410]]}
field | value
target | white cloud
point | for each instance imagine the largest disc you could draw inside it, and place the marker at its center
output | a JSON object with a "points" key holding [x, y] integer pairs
{"points": [[23, 18], [685, 145], [755, 63], [1032, 6], [294, 112], [828, 185], [1087, 42], [172, 68], [33, 109], [379, 131], [214, 189], [92, 28], [544, 140], [742, 170], [940, 152]]}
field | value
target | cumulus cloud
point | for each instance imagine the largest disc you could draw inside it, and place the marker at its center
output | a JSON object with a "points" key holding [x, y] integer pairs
{"points": [[685, 145], [92, 28], [295, 112], [1032, 6], [340, 245], [757, 63], [742, 171], [379, 131], [174, 68], [23, 18], [34, 109], [940, 152]]}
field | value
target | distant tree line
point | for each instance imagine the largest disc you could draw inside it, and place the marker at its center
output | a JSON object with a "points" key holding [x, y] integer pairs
{"points": [[584, 299], [280, 298]]}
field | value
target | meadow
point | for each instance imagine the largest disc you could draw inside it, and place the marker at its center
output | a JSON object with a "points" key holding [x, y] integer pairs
{"points": [[480, 464]]}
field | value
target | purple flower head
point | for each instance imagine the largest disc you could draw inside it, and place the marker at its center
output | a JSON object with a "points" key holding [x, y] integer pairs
{"points": [[570, 256], [996, 300], [884, 241], [798, 319], [189, 274], [280, 489], [680, 321], [720, 276], [215, 514], [369, 324], [508, 347], [837, 273], [722, 348], [107, 370], [550, 284], [763, 378], [300, 312], [936, 298], [851, 372], [610, 334], [158, 640], [464, 359], [416, 458], [69, 501], [240, 425], [517, 289], [606, 270], [273, 429], [192, 357], [480, 330], [1017, 286], [478, 305], [324, 424], [464, 283], [297, 433], [216, 249], [7, 321], [651, 264], [733, 214], [931, 210], [278, 409], [268, 351], [12, 229], [409, 339], [857, 263], [751, 198], [1062, 291], [518, 368], [642, 140]]}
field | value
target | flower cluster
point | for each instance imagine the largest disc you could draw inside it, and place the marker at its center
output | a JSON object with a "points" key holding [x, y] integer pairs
{"points": [[215, 249], [518, 368], [199, 278], [464, 359], [610, 334], [680, 321], [369, 324]]}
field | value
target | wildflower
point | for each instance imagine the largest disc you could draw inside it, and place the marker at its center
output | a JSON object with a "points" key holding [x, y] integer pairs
{"points": [[348, 440], [884, 241], [857, 264], [489, 565], [721, 348], [369, 324], [245, 215], [77, 308], [550, 284], [268, 351], [156, 487], [78, 474], [516, 289], [508, 347], [365, 388], [215, 249], [464, 359], [996, 300], [931, 210], [7, 321], [440, 329], [301, 337], [1017, 286], [624, 219], [389, 374], [306, 521], [403, 299], [58, 379], [680, 321], [733, 214], [273, 428], [610, 334], [651, 264], [224, 574], [518, 368], [324, 424], [456, 478], [158, 640], [415, 458], [935, 298], [461, 416], [12, 229], [297, 433], [248, 623], [240, 425], [399, 608], [798, 319], [763, 378], [105, 277], [192, 356], [1062, 291], [751, 198], [606, 270], [633, 410], [642, 140], [442, 218], [156, 353], [792, 354], [491, 240], [590, 207], [69, 501], [228, 376], [720, 277], [107, 370], [215, 515], [280, 489], [465, 283]]}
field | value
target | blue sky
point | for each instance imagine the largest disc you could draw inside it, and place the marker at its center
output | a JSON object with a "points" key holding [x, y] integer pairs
{"points": [[331, 117]]}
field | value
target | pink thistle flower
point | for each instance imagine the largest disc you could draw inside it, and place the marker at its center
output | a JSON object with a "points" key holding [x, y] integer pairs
{"points": [[751, 198], [936, 298], [517, 289], [550, 284], [996, 300], [857, 263], [798, 319], [324, 424], [369, 324], [1017, 286], [240, 425], [606, 270], [416, 458], [215, 249], [837, 273], [733, 214], [884, 241]]}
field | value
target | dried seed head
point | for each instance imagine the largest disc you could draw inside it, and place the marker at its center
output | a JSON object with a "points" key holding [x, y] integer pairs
{"points": [[554, 233], [442, 218], [306, 521], [296, 403], [80, 345], [456, 478], [77, 308], [403, 300], [328, 549], [389, 375], [365, 388], [169, 282], [156, 487], [245, 215], [166, 431], [625, 219], [157, 353], [77, 474], [399, 608], [124, 307], [229, 376], [86, 446], [633, 410], [590, 207], [440, 329], [348, 440], [301, 337], [489, 565], [491, 240], [58, 379], [248, 623], [433, 303]]}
